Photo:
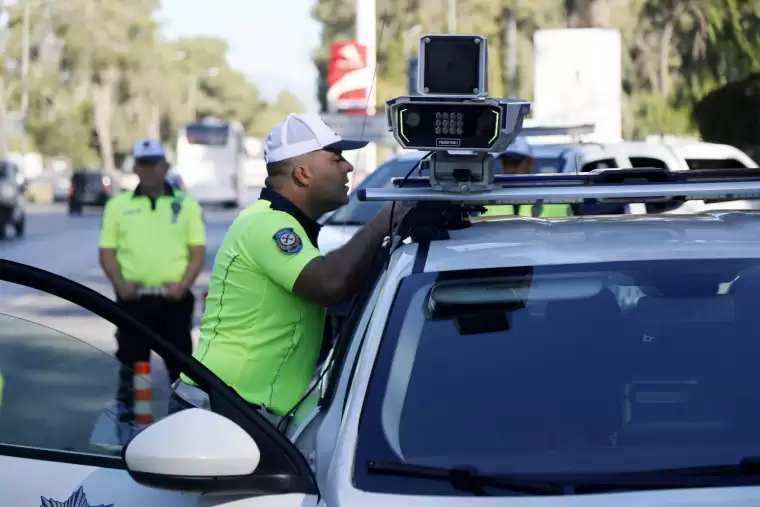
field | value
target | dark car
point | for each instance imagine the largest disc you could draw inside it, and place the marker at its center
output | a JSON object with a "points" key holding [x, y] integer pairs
{"points": [[88, 188], [11, 199]]}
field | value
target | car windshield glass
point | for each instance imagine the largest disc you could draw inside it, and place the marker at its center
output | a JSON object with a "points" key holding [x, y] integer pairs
{"points": [[575, 369], [357, 212], [207, 135]]}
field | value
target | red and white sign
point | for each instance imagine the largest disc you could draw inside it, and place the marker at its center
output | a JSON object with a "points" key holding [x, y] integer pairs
{"points": [[349, 78]]}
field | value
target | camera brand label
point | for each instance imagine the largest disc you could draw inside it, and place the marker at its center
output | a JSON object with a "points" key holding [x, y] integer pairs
{"points": [[448, 143]]}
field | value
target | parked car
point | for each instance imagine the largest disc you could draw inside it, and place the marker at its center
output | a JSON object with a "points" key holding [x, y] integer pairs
{"points": [[88, 188], [12, 200]]}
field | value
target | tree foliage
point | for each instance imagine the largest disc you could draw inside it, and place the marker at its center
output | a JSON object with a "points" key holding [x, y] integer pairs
{"points": [[101, 76], [675, 52]]}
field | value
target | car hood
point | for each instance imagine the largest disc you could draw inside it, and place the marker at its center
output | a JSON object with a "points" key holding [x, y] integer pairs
{"points": [[332, 237]]}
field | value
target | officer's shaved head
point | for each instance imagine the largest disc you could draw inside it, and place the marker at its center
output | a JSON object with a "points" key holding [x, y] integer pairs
{"points": [[278, 173]]}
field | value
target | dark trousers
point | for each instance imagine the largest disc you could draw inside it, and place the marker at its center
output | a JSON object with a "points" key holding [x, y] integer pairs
{"points": [[171, 320]]}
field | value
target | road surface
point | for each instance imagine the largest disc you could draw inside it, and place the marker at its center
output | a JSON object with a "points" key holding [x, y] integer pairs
{"points": [[57, 359]]}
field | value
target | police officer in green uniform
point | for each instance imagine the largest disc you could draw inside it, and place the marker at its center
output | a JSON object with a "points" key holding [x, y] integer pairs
{"points": [[518, 159], [152, 248], [265, 312]]}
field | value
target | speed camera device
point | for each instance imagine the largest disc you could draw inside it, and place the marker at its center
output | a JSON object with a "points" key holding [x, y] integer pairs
{"points": [[453, 117]]}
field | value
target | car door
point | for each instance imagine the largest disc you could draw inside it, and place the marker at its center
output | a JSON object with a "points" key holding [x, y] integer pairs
{"points": [[59, 435]]}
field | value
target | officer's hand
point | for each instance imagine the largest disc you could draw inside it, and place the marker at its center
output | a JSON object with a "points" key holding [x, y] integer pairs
{"points": [[399, 211], [175, 290], [128, 290]]}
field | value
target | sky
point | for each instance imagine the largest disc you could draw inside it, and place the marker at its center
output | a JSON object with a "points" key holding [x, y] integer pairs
{"points": [[257, 32]]}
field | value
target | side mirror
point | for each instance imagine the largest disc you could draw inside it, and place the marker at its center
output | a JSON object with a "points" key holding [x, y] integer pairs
{"points": [[193, 450]]}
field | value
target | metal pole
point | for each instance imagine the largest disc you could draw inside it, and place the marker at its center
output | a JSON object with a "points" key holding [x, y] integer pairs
{"points": [[512, 52], [366, 34], [25, 85], [192, 92], [452, 11]]}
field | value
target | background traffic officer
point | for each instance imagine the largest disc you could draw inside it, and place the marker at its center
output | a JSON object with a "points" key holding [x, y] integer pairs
{"points": [[518, 158], [270, 286], [152, 248]]}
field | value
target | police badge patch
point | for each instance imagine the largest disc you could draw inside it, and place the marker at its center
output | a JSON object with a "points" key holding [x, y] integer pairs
{"points": [[288, 241]]}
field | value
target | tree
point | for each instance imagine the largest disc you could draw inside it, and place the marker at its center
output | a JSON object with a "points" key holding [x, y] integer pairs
{"points": [[101, 76]]}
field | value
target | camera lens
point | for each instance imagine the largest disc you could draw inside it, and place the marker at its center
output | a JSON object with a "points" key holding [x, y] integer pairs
{"points": [[413, 119]]}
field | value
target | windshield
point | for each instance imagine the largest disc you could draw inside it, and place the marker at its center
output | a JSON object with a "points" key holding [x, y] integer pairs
{"points": [[207, 135], [576, 369], [357, 212]]}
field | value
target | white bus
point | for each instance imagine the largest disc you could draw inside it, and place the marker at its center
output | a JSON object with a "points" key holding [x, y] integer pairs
{"points": [[210, 161]]}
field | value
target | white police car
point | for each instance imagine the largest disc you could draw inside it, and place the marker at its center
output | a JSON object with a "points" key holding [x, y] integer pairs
{"points": [[581, 361]]}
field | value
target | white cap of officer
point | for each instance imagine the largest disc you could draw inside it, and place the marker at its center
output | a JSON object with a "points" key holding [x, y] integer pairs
{"points": [[299, 134], [148, 148]]}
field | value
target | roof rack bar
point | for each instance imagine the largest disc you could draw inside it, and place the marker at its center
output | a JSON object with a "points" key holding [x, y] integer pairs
{"points": [[605, 177], [571, 194]]}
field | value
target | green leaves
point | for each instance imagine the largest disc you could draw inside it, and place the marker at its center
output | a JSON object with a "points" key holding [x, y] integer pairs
{"points": [[101, 76]]}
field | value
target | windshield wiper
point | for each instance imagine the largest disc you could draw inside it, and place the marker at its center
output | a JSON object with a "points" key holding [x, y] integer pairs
{"points": [[746, 471], [466, 480]]}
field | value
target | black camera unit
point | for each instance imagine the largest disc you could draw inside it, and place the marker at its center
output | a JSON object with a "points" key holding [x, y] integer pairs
{"points": [[453, 113]]}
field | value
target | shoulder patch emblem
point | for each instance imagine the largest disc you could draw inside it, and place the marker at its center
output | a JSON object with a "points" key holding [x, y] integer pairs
{"points": [[288, 241]]}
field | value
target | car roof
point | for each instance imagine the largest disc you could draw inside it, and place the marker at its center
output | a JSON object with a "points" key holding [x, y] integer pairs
{"points": [[518, 241], [697, 149]]}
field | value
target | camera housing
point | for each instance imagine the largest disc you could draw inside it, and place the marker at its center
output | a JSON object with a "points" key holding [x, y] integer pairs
{"points": [[453, 117], [484, 125]]}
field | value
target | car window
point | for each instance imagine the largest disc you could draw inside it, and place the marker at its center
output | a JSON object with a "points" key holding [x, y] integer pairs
{"points": [[595, 368], [608, 163], [60, 386], [4, 170], [655, 207], [648, 162], [56, 383], [359, 213], [709, 163]]}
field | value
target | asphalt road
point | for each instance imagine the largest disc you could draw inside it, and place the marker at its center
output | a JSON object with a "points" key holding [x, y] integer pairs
{"points": [[56, 358]]}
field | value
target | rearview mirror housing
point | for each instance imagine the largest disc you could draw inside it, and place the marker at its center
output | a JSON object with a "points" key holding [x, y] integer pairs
{"points": [[193, 450]]}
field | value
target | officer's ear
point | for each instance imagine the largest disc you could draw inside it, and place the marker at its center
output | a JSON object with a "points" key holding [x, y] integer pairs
{"points": [[301, 173]]}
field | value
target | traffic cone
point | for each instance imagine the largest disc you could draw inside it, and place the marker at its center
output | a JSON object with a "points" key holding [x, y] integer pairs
{"points": [[142, 388]]}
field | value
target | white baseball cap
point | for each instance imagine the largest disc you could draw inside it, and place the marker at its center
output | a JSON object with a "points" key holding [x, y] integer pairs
{"points": [[148, 148], [299, 134], [519, 147]]}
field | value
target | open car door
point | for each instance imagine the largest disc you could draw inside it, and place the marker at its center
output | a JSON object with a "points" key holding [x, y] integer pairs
{"points": [[59, 434]]}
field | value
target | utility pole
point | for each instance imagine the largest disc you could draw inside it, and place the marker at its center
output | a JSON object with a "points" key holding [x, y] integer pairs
{"points": [[366, 35], [452, 12], [511, 52], [25, 85]]}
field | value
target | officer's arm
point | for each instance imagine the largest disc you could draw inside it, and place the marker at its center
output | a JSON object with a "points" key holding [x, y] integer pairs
{"points": [[282, 250], [109, 244], [196, 243], [334, 278]]}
